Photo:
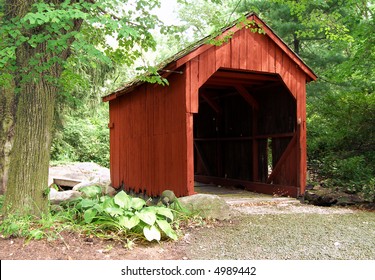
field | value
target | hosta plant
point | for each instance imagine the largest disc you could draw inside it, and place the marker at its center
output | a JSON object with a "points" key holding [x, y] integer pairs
{"points": [[125, 213]]}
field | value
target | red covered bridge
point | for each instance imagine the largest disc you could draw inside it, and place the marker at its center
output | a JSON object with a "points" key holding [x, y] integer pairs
{"points": [[233, 114]]}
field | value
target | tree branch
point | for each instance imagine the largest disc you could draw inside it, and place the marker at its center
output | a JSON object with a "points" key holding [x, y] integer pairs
{"points": [[112, 15]]}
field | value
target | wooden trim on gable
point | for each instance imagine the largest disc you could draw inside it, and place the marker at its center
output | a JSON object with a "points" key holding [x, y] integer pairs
{"points": [[272, 35], [284, 47], [200, 50]]}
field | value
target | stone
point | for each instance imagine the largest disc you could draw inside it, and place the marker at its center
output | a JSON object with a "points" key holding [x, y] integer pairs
{"points": [[106, 189], [82, 185], [88, 173], [344, 201], [110, 191], [207, 206], [57, 197]]}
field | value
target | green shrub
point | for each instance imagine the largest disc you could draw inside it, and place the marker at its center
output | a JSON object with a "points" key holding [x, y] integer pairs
{"points": [[83, 139], [124, 214], [351, 174], [341, 140]]}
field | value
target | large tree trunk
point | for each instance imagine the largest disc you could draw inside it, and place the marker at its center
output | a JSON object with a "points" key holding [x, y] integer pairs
{"points": [[7, 115], [29, 158], [28, 172]]}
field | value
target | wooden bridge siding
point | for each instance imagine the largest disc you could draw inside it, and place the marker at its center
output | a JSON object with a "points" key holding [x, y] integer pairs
{"points": [[301, 141], [148, 140], [114, 108], [246, 51], [250, 51], [154, 149]]}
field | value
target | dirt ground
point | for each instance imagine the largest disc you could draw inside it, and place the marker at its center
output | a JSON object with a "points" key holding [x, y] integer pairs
{"points": [[260, 228], [72, 246]]}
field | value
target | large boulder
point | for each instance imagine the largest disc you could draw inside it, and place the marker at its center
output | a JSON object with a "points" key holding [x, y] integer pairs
{"points": [[83, 174], [207, 205], [88, 172], [57, 197]]}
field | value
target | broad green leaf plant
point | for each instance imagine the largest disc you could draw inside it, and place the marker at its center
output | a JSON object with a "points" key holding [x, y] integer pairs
{"points": [[124, 213]]}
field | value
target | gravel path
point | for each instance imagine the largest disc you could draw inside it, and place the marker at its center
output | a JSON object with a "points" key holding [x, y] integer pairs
{"points": [[265, 227]]}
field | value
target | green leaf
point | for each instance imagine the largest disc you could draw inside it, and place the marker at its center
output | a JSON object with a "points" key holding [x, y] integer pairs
{"points": [[151, 233], [114, 211], [137, 203], [89, 215], [122, 200], [147, 216], [167, 229], [87, 203], [127, 222], [91, 191], [107, 201], [166, 212], [98, 208], [36, 234]]}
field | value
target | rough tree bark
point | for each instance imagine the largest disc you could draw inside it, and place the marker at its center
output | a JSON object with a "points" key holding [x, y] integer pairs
{"points": [[7, 115], [29, 157]]}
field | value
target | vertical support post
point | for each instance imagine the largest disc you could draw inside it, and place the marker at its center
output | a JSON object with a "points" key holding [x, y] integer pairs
{"points": [[301, 141], [189, 144], [255, 146]]}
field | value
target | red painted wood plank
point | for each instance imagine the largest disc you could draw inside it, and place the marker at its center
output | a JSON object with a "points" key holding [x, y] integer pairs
{"points": [[243, 35], [286, 74], [223, 55], [159, 164], [264, 52], [271, 56], [235, 51], [207, 65], [188, 88], [250, 51], [194, 86], [293, 77], [193, 54], [276, 170], [123, 142], [188, 171], [159, 112], [278, 60], [301, 120], [257, 52], [114, 142]]}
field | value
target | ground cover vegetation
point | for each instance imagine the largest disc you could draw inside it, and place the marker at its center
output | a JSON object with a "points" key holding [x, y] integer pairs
{"points": [[121, 218]]}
